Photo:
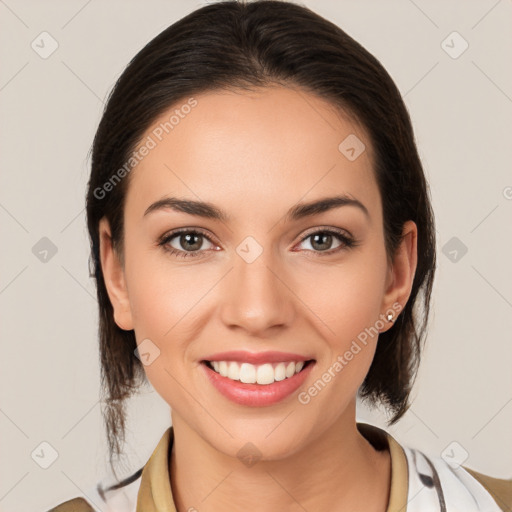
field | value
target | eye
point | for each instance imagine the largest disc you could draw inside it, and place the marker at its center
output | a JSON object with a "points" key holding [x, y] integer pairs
{"points": [[189, 243], [185, 243], [322, 240]]}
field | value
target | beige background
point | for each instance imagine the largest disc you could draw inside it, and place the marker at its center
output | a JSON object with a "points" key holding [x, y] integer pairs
{"points": [[461, 109]]}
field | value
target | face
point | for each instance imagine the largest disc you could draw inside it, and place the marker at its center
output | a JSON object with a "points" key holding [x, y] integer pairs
{"points": [[250, 292]]}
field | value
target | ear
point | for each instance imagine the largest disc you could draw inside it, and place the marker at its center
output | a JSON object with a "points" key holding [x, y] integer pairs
{"points": [[401, 273], [113, 275]]}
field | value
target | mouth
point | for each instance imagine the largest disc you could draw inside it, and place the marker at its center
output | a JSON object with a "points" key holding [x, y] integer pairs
{"points": [[257, 385], [262, 374]]}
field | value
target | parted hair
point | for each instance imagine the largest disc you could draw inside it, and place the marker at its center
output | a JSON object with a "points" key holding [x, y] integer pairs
{"points": [[231, 45]]}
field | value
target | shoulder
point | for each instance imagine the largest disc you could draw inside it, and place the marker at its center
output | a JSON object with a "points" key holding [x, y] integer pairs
{"points": [[434, 479], [500, 489], [74, 505], [118, 497]]}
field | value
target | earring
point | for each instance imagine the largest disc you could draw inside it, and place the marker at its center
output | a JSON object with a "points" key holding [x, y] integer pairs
{"points": [[389, 317]]}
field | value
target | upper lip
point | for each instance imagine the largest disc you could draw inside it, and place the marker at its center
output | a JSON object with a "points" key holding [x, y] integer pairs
{"points": [[256, 357]]}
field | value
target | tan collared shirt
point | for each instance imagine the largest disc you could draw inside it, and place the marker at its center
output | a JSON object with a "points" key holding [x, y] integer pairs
{"points": [[152, 492], [155, 491]]}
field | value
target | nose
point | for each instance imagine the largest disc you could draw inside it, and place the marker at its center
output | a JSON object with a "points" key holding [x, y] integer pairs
{"points": [[256, 298]]}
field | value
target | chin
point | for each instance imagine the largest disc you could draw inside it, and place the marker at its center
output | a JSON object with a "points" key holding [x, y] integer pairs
{"points": [[263, 440]]}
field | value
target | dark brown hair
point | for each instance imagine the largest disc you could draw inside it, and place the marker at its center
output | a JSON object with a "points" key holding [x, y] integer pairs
{"points": [[228, 45]]}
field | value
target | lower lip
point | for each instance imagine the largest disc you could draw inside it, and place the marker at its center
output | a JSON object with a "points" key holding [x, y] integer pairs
{"points": [[257, 395]]}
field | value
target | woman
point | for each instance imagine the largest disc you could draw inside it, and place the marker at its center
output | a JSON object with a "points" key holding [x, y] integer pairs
{"points": [[262, 240]]}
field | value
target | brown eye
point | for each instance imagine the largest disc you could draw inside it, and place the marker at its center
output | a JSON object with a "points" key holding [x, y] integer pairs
{"points": [[185, 243], [322, 241], [190, 241]]}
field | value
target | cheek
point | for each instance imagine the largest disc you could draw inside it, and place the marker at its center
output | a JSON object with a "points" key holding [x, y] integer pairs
{"points": [[170, 305], [347, 302], [162, 304], [162, 300], [161, 293], [346, 298]]}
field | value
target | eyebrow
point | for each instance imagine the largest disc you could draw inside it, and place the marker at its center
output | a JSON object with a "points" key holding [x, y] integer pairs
{"points": [[297, 212]]}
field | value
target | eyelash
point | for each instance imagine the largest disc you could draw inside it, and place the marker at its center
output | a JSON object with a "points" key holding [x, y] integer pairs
{"points": [[348, 242]]}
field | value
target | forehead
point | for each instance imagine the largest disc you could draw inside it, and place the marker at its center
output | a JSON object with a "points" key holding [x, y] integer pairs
{"points": [[262, 146]]}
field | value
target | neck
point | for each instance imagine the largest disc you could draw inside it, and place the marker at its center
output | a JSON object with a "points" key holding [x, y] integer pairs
{"points": [[340, 470]]}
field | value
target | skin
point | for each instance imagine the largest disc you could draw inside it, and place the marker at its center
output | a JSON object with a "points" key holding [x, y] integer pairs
{"points": [[256, 154]]}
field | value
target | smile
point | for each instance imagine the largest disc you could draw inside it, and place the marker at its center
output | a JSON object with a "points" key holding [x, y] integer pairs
{"points": [[257, 384], [263, 374]]}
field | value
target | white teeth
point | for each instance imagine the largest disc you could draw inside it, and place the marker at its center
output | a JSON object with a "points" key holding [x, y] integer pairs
{"points": [[262, 374], [223, 368], [247, 373], [280, 372], [290, 369], [265, 374], [233, 370]]}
